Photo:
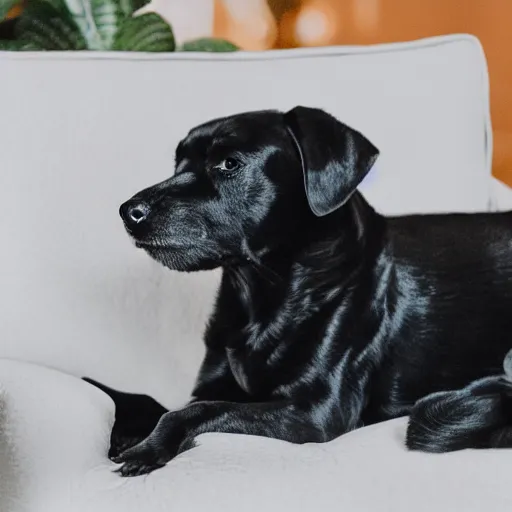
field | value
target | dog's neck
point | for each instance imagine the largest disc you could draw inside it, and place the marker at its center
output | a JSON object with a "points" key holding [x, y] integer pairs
{"points": [[327, 252]]}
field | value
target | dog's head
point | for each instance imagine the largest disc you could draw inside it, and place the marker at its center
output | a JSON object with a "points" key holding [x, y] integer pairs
{"points": [[245, 183]]}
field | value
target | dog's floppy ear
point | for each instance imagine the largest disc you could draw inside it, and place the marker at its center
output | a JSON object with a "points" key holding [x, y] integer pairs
{"points": [[335, 158]]}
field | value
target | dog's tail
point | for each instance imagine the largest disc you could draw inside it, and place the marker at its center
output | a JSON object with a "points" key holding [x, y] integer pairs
{"points": [[477, 416]]}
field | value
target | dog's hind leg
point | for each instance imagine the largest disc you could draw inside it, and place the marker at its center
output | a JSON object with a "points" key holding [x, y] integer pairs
{"points": [[477, 416], [136, 416]]}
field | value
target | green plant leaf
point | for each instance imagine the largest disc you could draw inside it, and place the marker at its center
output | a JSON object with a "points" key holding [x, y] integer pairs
{"points": [[208, 44], [47, 28], [58, 4], [10, 45], [128, 7], [98, 21], [17, 46], [145, 33], [5, 7]]}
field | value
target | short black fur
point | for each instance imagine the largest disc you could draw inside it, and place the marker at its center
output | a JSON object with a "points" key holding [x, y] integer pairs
{"points": [[329, 316]]}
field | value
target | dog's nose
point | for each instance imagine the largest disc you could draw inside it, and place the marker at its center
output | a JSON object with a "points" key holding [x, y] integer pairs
{"points": [[134, 212]]}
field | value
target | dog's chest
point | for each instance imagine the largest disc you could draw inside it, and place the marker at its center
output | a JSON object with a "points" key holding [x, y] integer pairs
{"points": [[246, 362], [239, 369]]}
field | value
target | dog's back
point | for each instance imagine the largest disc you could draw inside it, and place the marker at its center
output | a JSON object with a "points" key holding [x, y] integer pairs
{"points": [[453, 296], [445, 241]]}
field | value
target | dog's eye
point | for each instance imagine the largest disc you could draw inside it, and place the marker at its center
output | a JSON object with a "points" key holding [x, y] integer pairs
{"points": [[228, 165]]}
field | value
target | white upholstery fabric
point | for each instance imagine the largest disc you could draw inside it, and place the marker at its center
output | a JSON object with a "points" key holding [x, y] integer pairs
{"points": [[59, 461], [79, 135], [501, 196]]}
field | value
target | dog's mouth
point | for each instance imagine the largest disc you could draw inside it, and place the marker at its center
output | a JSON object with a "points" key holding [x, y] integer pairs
{"points": [[168, 245], [168, 240]]}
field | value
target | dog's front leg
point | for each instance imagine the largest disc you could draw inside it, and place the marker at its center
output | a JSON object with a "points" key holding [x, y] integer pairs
{"points": [[175, 432]]}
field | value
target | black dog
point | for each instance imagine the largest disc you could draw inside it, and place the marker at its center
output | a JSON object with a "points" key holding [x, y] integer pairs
{"points": [[329, 316]]}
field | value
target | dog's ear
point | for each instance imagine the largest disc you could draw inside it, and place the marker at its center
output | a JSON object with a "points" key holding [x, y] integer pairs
{"points": [[335, 158]]}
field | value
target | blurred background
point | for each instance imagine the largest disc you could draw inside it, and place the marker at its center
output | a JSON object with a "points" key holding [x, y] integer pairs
{"points": [[271, 24]]}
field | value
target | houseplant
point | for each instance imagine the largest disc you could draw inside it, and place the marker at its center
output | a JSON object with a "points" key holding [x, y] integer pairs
{"points": [[107, 25]]}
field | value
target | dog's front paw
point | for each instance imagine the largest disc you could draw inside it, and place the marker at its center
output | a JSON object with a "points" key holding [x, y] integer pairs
{"points": [[121, 443], [141, 460], [137, 468]]}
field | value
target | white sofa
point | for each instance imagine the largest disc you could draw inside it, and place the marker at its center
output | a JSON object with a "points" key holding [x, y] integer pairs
{"points": [[80, 133]]}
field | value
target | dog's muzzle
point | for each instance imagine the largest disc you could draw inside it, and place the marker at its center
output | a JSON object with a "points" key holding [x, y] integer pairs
{"points": [[134, 213]]}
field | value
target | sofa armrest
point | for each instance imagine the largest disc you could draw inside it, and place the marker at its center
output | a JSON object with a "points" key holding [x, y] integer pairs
{"points": [[501, 196]]}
